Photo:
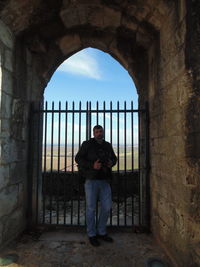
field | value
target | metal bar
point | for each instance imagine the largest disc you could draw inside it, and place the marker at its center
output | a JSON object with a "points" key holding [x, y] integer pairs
{"points": [[66, 121], [104, 118], [132, 159], [72, 137], [94, 111], [111, 144], [58, 182], [139, 168], [51, 182], [79, 175], [90, 119], [72, 162], [44, 182], [125, 178], [132, 140], [87, 115], [118, 164], [97, 108]]}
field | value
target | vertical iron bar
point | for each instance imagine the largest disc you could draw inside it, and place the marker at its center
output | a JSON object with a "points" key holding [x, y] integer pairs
{"points": [[79, 144], [111, 144], [87, 138], [118, 162], [132, 157], [58, 177], [90, 120], [104, 118], [66, 121], [73, 136], [45, 162], [51, 183], [139, 166], [87, 115], [97, 113], [72, 162], [125, 177]]}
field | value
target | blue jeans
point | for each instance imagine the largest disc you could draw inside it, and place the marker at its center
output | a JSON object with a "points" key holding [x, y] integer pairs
{"points": [[94, 190]]}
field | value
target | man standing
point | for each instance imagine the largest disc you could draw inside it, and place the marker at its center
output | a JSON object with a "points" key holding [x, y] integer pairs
{"points": [[95, 160]]}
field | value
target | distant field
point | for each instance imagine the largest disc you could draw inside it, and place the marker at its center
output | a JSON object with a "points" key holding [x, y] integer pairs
{"points": [[67, 162]]}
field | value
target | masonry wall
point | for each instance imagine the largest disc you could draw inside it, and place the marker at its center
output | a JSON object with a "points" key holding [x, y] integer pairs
{"points": [[170, 91], [13, 137]]}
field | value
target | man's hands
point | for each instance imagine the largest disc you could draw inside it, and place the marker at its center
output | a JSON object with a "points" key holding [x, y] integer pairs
{"points": [[109, 163], [97, 164]]}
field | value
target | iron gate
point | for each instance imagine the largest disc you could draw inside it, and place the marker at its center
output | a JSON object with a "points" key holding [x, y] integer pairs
{"points": [[59, 189]]}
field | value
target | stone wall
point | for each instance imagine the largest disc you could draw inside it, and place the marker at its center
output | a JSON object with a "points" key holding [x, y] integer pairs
{"points": [[11, 164], [13, 136], [170, 91]]}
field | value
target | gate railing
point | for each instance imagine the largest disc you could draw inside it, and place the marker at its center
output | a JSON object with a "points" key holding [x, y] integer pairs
{"points": [[64, 129]]}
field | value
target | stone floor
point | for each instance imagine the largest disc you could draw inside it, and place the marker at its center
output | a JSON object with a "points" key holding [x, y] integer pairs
{"points": [[64, 248]]}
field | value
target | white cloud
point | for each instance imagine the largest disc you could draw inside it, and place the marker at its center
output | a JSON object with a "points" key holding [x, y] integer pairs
{"points": [[82, 63]]}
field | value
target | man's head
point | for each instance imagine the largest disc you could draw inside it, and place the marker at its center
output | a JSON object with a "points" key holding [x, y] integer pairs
{"points": [[98, 132]]}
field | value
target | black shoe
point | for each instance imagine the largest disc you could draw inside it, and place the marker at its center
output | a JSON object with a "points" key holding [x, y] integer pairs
{"points": [[105, 238], [93, 241]]}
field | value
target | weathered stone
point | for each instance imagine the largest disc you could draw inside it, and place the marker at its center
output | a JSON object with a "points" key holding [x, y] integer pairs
{"points": [[4, 175], [5, 105], [14, 226], [8, 60], [69, 44], [129, 23], [17, 172], [7, 36], [8, 199], [113, 48], [70, 17], [5, 151], [4, 128], [111, 18], [7, 82]]}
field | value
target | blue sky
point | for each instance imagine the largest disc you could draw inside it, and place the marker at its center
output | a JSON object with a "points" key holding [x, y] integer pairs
{"points": [[92, 75]]}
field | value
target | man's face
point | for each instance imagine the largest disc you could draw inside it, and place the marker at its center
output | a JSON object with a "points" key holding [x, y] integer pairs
{"points": [[98, 133]]}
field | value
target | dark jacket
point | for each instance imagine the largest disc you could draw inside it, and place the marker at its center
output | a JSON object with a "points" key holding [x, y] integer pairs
{"points": [[89, 152]]}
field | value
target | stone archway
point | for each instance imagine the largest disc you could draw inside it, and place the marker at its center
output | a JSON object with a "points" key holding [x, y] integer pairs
{"points": [[150, 38]]}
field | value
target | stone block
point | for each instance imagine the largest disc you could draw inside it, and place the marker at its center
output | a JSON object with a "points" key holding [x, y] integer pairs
{"points": [[129, 23], [4, 128], [4, 176], [111, 18], [8, 60], [17, 172], [7, 36], [8, 199], [70, 17], [7, 82], [5, 105], [69, 44], [17, 150], [156, 19], [14, 224], [28, 58], [5, 151], [114, 50], [95, 17], [1, 232]]}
